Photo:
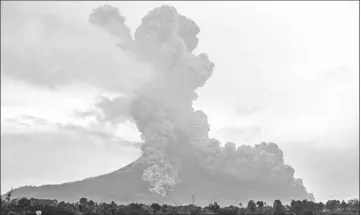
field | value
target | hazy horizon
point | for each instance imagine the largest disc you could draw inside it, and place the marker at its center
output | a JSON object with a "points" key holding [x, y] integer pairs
{"points": [[285, 72]]}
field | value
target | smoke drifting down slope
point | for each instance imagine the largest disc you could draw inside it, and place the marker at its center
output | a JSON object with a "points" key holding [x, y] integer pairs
{"points": [[173, 132]]}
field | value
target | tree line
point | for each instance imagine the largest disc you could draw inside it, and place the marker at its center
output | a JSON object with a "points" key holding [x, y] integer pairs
{"points": [[84, 206]]}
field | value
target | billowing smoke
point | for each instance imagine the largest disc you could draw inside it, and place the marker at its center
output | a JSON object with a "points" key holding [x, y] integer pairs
{"points": [[162, 109]]}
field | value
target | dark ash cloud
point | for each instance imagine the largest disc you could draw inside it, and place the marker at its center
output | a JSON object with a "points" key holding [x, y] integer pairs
{"points": [[171, 129]]}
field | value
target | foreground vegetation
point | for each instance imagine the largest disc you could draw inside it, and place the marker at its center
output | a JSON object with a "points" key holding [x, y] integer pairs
{"points": [[32, 206]]}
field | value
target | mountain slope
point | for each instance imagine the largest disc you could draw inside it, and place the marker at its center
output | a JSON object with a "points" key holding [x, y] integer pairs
{"points": [[125, 186]]}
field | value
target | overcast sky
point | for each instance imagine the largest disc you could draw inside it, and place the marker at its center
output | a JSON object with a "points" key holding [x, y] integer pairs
{"points": [[285, 72]]}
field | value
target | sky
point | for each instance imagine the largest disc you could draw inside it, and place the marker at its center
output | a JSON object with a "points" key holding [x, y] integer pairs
{"points": [[285, 72]]}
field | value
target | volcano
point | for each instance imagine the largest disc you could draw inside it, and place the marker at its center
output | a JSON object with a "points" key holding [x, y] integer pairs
{"points": [[125, 186], [179, 160]]}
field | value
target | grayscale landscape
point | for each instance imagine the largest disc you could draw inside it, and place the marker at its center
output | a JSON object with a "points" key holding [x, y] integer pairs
{"points": [[160, 105]]}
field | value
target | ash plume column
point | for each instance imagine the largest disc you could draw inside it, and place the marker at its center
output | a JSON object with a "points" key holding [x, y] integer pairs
{"points": [[164, 106], [163, 113]]}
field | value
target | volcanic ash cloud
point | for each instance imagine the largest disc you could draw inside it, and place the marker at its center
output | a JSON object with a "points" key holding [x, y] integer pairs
{"points": [[162, 108]]}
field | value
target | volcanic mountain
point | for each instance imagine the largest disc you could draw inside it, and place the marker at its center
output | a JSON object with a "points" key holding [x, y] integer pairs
{"points": [[179, 159], [126, 186]]}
